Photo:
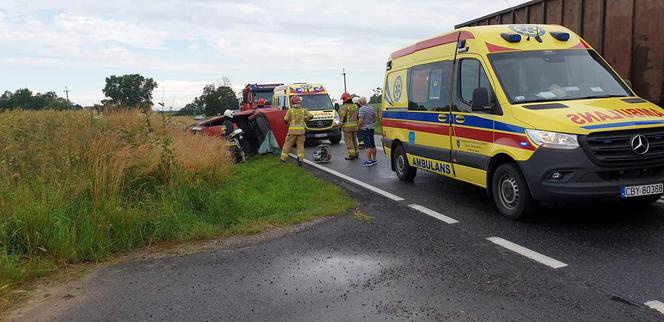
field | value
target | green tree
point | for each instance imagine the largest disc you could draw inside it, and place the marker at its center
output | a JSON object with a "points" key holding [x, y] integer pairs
{"points": [[25, 99], [129, 91], [193, 108], [377, 96], [215, 100]]}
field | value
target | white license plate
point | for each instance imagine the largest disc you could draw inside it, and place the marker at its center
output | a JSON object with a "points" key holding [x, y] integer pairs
{"points": [[320, 135], [644, 190]]}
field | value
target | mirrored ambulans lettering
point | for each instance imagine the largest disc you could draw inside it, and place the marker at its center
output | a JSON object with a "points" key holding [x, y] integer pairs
{"points": [[432, 165], [617, 114]]}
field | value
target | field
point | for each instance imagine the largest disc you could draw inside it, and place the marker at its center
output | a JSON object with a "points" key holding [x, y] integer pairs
{"points": [[80, 186]]}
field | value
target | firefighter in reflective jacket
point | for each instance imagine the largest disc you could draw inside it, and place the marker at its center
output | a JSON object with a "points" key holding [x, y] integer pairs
{"points": [[348, 119], [295, 118]]}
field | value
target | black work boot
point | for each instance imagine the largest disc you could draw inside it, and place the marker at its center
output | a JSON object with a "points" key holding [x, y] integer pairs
{"points": [[299, 162]]}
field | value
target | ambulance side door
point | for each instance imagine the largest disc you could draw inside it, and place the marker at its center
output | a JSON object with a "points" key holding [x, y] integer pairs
{"points": [[429, 115], [472, 131], [283, 101]]}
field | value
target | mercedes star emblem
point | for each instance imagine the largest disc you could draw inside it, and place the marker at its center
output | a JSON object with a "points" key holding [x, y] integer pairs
{"points": [[640, 144]]}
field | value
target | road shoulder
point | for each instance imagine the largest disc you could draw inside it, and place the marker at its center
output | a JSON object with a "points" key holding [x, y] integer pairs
{"points": [[49, 297]]}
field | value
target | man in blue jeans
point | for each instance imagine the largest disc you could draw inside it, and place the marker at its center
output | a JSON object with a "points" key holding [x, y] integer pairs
{"points": [[367, 116]]}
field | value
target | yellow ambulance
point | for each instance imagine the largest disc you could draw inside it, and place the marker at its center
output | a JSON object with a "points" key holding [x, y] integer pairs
{"points": [[530, 112], [325, 123]]}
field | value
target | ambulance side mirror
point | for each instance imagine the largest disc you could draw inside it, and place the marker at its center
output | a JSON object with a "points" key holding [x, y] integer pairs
{"points": [[480, 101], [336, 107]]}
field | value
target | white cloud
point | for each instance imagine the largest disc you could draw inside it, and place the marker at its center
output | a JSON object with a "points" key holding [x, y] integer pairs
{"points": [[189, 42], [95, 30]]}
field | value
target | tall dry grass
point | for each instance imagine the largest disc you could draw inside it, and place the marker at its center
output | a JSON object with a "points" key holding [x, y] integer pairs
{"points": [[77, 185]]}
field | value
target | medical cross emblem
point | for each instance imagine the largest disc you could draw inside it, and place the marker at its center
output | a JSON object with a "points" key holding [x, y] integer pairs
{"points": [[397, 88]]}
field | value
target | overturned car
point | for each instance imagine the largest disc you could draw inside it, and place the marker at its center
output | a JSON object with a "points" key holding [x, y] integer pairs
{"points": [[262, 130]]}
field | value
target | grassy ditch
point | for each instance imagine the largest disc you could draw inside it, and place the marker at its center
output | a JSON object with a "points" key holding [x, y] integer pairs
{"points": [[80, 186]]}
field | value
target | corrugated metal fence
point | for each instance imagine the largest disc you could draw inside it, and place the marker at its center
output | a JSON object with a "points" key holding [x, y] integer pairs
{"points": [[628, 33]]}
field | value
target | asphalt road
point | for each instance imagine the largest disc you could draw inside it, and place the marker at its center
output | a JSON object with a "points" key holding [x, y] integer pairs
{"points": [[404, 264], [613, 248]]}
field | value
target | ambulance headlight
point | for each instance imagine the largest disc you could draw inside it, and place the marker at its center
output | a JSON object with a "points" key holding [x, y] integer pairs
{"points": [[553, 140]]}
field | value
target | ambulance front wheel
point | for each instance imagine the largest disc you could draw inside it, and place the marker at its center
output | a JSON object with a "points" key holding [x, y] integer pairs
{"points": [[510, 192], [400, 161]]}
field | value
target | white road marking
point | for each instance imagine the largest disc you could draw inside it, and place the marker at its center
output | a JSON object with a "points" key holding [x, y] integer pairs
{"points": [[433, 214], [352, 180], [542, 259], [655, 305]]}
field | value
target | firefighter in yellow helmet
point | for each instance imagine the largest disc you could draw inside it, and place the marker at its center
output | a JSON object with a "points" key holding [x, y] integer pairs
{"points": [[348, 119], [295, 118]]}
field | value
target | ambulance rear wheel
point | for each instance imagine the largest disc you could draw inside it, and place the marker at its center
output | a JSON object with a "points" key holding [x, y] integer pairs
{"points": [[510, 192], [404, 171]]}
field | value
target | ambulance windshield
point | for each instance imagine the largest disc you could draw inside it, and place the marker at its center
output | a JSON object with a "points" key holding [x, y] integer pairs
{"points": [[316, 102], [555, 75]]}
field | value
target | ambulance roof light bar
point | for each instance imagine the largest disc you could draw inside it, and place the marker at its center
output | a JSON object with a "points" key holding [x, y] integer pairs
{"points": [[561, 36], [513, 38]]}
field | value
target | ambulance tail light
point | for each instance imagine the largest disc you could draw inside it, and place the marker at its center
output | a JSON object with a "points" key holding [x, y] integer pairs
{"points": [[553, 140], [513, 38], [561, 36]]}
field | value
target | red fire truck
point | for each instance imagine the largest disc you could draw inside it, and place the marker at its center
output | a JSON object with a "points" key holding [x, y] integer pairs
{"points": [[254, 92]]}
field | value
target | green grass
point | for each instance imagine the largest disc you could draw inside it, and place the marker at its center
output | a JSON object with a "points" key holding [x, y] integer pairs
{"points": [[266, 192], [260, 194], [79, 187]]}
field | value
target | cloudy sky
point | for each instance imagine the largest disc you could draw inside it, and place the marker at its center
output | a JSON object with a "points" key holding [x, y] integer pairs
{"points": [[185, 44]]}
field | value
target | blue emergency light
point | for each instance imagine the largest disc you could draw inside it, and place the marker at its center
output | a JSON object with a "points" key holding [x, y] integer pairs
{"points": [[511, 37], [561, 36]]}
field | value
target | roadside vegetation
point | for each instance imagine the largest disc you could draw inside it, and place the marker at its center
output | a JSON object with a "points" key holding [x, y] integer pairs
{"points": [[379, 121], [79, 186]]}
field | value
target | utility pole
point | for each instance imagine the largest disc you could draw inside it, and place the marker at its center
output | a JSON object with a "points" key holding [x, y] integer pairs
{"points": [[67, 94], [343, 72], [163, 91]]}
